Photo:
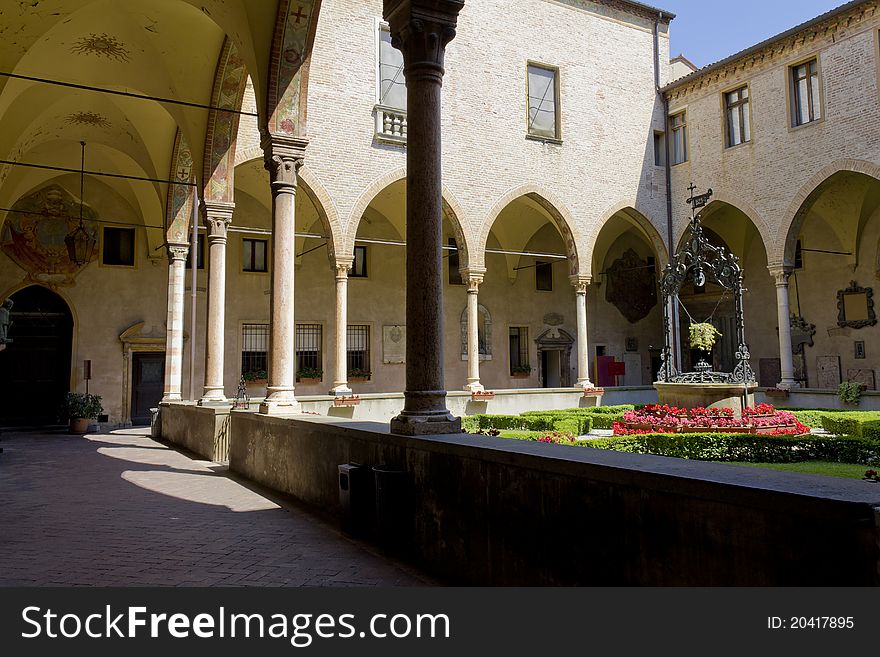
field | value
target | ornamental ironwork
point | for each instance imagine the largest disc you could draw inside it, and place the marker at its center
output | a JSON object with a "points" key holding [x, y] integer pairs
{"points": [[700, 261]]}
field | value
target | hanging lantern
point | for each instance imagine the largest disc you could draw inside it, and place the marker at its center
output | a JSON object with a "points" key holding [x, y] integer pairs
{"points": [[80, 244]]}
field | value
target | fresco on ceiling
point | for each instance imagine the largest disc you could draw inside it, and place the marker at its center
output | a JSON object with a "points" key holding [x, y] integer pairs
{"points": [[102, 45], [87, 118], [34, 231]]}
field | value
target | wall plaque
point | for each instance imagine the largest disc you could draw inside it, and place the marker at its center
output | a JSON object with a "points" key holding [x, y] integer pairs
{"points": [[828, 371], [394, 344]]}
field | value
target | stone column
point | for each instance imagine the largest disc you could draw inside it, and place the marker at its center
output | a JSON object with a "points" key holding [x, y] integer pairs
{"points": [[473, 336], [340, 382], [174, 324], [783, 317], [284, 156], [218, 217], [580, 284], [420, 29]]}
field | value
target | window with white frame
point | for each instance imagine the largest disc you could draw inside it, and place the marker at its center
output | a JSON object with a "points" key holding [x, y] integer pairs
{"points": [[678, 144], [805, 97], [390, 89], [736, 105], [543, 97]]}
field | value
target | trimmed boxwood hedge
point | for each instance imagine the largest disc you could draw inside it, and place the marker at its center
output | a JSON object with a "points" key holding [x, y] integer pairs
{"points": [[577, 425], [603, 417], [858, 424], [748, 448]]}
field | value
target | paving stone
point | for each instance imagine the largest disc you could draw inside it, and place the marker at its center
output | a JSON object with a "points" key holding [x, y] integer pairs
{"points": [[120, 509]]}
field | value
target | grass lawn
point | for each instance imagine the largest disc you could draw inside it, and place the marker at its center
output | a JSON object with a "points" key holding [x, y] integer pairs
{"points": [[846, 470]]}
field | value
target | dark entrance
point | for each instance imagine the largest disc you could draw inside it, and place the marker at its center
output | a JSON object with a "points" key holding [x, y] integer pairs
{"points": [[147, 384], [35, 366]]}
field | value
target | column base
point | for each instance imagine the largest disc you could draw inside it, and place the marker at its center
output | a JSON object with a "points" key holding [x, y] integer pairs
{"points": [[788, 384], [584, 384], [213, 398], [425, 424], [474, 386], [279, 402], [341, 390], [172, 397]]}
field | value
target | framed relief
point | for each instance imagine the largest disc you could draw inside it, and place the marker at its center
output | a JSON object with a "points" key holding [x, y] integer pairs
{"points": [[855, 306]]}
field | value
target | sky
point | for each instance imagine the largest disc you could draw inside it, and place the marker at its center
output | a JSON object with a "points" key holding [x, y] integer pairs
{"points": [[705, 31]]}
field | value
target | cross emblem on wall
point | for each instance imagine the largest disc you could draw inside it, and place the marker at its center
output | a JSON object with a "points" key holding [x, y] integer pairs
{"points": [[299, 15]]}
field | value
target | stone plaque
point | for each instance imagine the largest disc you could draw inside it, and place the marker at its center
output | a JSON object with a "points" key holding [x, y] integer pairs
{"points": [[554, 319], [800, 368], [865, 377], [769, 372], [394, 344], [828, 371]]}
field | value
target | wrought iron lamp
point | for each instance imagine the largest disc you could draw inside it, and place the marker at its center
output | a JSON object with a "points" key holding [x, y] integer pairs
{"points": [[80, 244]]}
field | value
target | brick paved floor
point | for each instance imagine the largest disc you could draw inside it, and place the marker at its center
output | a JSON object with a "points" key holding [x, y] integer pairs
{"points": [[123, 510]]}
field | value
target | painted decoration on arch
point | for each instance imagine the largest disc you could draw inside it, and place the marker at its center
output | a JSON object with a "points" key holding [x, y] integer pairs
{"points": [[286, 91], [34, 231], [180, 197]]}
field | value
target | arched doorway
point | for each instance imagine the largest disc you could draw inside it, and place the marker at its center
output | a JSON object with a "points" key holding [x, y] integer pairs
{"points": [[35, 366]]}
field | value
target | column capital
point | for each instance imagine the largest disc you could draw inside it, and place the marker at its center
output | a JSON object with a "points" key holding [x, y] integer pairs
{"points": [[218, 216], [177, 252], [781, 274], [473, 281], [342, 266], [580, 283], [420, 29], [283, 156]]}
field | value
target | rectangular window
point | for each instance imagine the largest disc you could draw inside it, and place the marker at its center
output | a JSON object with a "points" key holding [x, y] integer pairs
{"points": [[543, 97], [254, 350], [358, 349], [805, 106], [359, 267], [454, 263], [659, 149], [392, 84], [118, 246], [678, 128], [309, 341], [798, 256], [544, 276], [253, 255], [737, 113], [519, 350]]}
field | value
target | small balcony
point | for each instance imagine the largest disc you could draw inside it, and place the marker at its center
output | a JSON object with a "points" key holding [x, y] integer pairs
{"points": [[390, 124]]}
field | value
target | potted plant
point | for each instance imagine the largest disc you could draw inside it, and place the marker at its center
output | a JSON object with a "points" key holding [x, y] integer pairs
{"points": [[703, 337], [358, 374], [80, 409], [309, 375], [520, 371]]}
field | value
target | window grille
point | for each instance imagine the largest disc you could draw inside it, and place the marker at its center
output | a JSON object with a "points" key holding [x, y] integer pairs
{"points": [[254, 348], [358, 342], [519, 348], [309, 338]]}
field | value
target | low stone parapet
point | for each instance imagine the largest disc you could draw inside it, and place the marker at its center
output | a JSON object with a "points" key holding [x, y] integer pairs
{"points": [[200, 429]]}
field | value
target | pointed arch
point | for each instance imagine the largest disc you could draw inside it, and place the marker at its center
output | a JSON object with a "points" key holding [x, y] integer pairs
{"points": [[326, 211], [790, 228], [220, 141], [291, 57], [452, 210], [555, 208], [724, 197], [629, 207]]}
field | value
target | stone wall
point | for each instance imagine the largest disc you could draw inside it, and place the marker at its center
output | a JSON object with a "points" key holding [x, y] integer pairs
{"points": [[489, 511]]}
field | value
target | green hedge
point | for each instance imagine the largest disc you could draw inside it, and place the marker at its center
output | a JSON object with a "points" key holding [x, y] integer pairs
{"points": [[603, 417], [812, 417], [578, 425], [857, 424], [746, 447]]}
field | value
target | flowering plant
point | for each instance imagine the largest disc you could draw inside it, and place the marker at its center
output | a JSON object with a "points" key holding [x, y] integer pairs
{"points": [[558, 438], [662, 418]]}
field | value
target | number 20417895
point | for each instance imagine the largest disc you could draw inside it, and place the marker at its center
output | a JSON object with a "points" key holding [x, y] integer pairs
{"points": [[810, 623]]}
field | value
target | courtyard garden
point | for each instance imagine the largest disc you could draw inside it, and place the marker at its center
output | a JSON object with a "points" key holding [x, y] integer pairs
{"points": [[830, 442]]}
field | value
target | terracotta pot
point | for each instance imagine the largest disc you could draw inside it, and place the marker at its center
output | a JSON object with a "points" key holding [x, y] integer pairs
{"points": [[79, 424]]}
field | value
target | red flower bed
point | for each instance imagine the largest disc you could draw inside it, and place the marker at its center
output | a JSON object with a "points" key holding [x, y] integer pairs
{"points": [[662, 418]]}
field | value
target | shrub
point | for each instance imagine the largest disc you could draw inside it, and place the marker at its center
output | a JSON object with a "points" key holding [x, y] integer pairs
{"points": [[858, 424], [576, 425], [80, 405], [849, 392], [745, 447]]}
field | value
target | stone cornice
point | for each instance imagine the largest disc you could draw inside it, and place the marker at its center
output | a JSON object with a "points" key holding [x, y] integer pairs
{"points": [[822, 30], [634, 8]]}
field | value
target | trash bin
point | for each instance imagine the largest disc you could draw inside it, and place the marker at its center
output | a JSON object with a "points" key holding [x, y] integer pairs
{"points": [[393, 508], [355, 498]]}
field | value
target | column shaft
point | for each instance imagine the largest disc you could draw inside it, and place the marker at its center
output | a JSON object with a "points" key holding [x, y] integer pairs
{"points": [[340, 382], [219, 216], [473, 334], [284, 157], [174, 324], [421, 29], [783, 313], [583, 379]]}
